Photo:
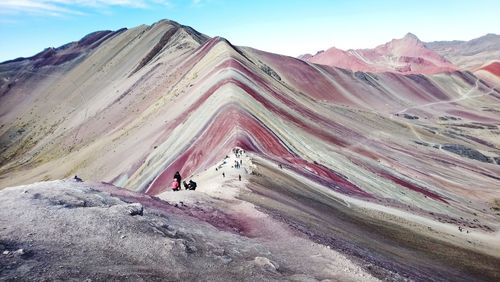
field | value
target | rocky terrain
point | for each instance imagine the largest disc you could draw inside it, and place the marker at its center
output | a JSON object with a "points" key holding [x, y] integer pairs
{"points": [[63, 230]]}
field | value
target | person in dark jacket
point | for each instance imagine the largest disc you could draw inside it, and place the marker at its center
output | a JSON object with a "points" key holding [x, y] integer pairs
{"points": [[192, 185], [178, 177]]}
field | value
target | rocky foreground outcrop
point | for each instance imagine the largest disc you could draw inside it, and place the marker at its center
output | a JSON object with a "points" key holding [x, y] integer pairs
{"points": [[64, 230]]}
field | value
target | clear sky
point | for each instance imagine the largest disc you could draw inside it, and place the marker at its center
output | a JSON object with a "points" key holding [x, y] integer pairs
{"points": [[290, 27]]}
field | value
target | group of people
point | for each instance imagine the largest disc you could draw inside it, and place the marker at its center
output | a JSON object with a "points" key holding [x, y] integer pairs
{"points": [[237, 164], [176, 183], [191, 185], [238, 152]]}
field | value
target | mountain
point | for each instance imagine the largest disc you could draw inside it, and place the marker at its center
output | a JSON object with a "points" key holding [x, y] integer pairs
{"points": [[406, 55], [469, 54], [390, 175], [479, 55]]}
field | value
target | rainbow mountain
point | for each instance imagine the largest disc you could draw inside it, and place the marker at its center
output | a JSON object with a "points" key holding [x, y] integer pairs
{"points": [[339, 155]]}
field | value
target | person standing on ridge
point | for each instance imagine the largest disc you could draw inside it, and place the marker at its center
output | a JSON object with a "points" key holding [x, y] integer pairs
{"points": [[178, 178]]}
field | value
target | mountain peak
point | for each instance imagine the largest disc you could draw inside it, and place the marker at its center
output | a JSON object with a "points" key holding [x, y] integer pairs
{"points": [[409, 38], [412, 36], [490, 35], [166, 21]]}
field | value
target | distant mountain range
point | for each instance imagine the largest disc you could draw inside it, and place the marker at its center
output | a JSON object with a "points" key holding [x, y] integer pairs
{"points": [[406, 55], [469, 54], [410, 55]]}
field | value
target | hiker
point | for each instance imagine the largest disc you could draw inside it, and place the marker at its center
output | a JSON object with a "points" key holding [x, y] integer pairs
{"points": [[223, 175], [280, 166], [239, 177], [186, 186], [192, 185], [77, 179], [175, 185], [178, 177]]}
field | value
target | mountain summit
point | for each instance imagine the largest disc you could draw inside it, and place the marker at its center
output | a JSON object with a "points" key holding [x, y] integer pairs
{"points": [[411, 36]]}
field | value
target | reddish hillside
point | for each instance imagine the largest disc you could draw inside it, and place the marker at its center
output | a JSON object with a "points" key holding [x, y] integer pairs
{"points": [[493, 68], [342, 59], [406, 55]]}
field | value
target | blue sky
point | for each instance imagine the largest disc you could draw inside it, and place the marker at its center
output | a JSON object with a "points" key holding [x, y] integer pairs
{"points": [[290, 27]]}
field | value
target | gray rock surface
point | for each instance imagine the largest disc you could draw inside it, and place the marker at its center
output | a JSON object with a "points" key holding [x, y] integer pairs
{"points": [[64, 230], [466, 152]]}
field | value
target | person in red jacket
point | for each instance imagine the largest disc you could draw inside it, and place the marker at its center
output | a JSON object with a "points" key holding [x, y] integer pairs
{"points": [[175, 185]]}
